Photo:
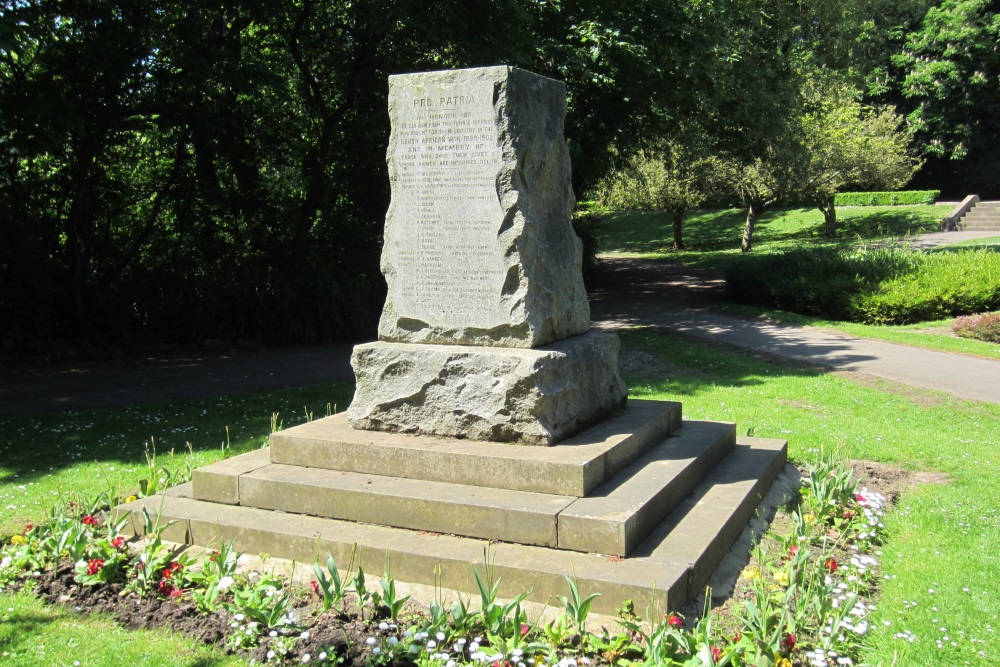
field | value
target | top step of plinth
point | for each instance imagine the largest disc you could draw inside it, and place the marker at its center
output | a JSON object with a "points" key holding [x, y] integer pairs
{"points": [[574, 467]]}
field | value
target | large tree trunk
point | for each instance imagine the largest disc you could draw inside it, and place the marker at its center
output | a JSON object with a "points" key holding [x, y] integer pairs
{"points": [[678, 229], [756, 208], [830, 216]]}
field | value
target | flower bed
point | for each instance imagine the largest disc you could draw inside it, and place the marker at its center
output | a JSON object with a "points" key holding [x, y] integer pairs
{"points": [[805, 601]]}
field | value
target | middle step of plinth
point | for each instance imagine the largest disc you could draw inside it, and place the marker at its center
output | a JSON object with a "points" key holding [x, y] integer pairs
{"points": [[615, 518], [574, 467]]}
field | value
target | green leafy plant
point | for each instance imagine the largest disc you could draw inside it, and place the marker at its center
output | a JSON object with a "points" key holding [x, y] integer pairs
{"points": [[332, 589], [217, 574], [263, 598], [389, 599], [577, 608], [160, 477]]}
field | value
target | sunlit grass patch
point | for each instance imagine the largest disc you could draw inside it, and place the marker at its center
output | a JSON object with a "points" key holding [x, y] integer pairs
{"points": [[48, 459]]}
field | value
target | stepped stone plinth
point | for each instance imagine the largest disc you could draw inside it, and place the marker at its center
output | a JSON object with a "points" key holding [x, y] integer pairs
{"points": [[485, 353]]}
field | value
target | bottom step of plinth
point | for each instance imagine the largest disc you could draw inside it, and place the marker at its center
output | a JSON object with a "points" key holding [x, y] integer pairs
{"points": [[663, 572]]}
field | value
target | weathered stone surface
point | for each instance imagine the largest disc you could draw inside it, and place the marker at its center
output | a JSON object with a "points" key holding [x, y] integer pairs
{"points": [[534, 396], [479, 248], [575, 467]]}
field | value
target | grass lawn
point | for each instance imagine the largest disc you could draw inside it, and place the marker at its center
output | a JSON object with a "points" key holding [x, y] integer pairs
{"points": [[50, 459], [713, 236], [945, 538], [991, 242], [32, 634]]}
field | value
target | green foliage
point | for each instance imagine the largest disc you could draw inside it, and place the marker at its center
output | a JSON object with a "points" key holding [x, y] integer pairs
{"points": [[217, 574], [190, 172], [878, 285], [264, 599], [577, 608], [951, 66], [332, 589], [943, 285], [985, 326], [815, 281], [900, 198]]}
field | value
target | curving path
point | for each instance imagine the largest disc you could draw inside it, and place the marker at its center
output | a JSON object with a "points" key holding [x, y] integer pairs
{"points": [[630, 292]]}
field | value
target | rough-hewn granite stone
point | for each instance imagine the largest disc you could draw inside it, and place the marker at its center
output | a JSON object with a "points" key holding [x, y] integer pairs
{"points": [[479, 248], [535, 396]]}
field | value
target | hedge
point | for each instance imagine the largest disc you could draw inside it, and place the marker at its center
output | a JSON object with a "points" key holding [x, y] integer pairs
{"points": [[880, 285], [887, 198]]}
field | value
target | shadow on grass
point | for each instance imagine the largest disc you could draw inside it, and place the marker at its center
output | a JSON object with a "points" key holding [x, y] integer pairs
{"points": [[680, 365], [39, 446], [710, 230], [857, 222]]}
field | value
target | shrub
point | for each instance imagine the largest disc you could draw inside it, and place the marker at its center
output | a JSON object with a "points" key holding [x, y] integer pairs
{"points": [[942, 285], [883, 285], [887, 198], [814, 281], [985, 326]]}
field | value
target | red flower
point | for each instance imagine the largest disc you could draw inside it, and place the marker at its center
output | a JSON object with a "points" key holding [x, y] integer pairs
{"points": [[524, 629], [314, 585], [94, 566], [848, 514], [166, 588], [674, 621], [737, 637], [716, 653], [792, 550], [215, 556], [168, 571], [27, 529], [859, 499], [176, 593], [118, 542], [831, 564], [89, 520], [788, 643]]}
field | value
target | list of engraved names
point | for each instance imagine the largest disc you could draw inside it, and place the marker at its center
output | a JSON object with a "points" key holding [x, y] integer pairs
{"points": [[449, 270]]}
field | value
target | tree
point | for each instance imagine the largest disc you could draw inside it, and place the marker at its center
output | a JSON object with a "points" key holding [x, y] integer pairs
{"points": [[951, 79], [847, 143], [674, 176]]}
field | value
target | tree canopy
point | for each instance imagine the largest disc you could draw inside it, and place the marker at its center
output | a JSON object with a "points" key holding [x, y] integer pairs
{"points": [[183, 171]]}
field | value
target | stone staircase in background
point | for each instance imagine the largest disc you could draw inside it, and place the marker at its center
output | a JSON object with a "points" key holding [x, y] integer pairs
{"points": [[983, 216], [642, 506]]}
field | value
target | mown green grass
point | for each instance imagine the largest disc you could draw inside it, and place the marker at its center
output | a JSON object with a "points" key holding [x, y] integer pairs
{"points": [[989, 243], [32, 635], [943, 537], [49, 459], [713, 236]]}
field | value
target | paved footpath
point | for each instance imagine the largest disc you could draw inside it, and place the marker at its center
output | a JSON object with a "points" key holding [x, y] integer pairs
{"points": [[628, 293], [624, 293]]}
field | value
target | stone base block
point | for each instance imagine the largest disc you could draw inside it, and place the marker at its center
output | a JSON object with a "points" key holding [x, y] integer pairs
{"points": [[532, 396]]}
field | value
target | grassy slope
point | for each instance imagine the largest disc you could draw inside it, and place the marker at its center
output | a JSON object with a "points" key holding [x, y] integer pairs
{"points": [[712, 239], [713, 236]]}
